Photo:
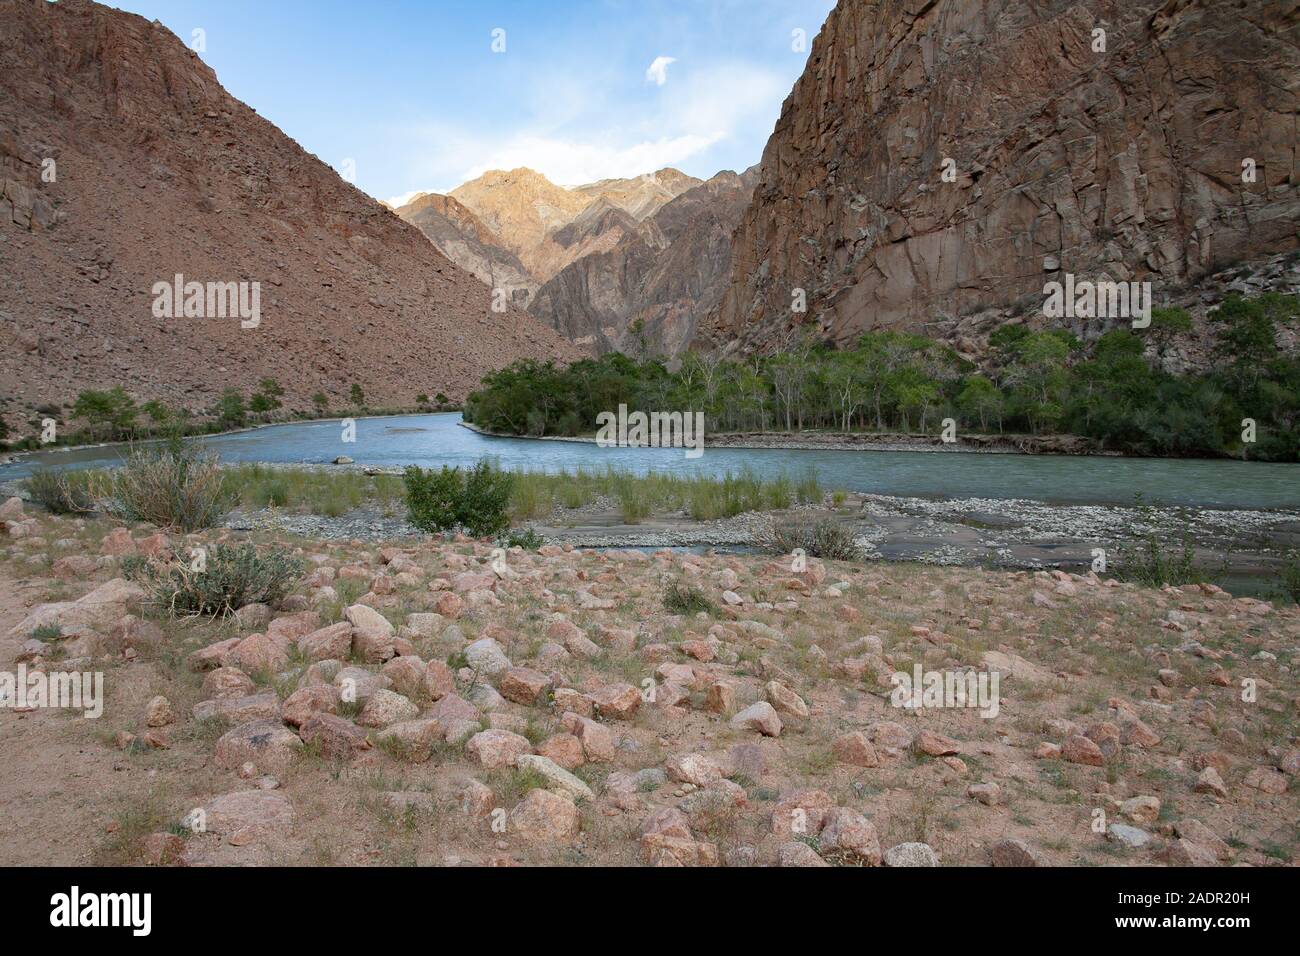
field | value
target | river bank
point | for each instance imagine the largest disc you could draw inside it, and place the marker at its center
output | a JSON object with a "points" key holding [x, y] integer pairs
{"points": [[867, 441], [1015, 534], [599, 510]]}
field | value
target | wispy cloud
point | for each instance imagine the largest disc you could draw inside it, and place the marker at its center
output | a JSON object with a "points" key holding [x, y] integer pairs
{"points": [[572, 163], [585, 139], [657, 72]]}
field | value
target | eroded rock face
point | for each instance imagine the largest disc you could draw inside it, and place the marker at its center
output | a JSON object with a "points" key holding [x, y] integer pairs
{"points": [[1125, 164], [646, 294]]}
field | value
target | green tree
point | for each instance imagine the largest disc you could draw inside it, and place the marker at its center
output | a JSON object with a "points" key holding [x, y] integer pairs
{"points": [[356, 395], [1247, 332], [158, 412], [109, 414], [980, 399], [267, 397], [1166, 325], [230, 410]]}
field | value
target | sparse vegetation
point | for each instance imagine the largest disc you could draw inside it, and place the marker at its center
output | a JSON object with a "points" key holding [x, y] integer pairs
{"points": [[216, 582], [173, 485], [1152, 562], [62, 492], [820, 538], [682, 598], [527, 539], [1291, 575], [701, 497]]}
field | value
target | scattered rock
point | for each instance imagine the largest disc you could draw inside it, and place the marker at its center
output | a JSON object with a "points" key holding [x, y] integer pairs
{"points": [[911, 854]]}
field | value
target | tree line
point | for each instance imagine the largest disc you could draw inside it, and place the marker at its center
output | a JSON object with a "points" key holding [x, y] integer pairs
{"points": [[112, 414], [1113, 389]]}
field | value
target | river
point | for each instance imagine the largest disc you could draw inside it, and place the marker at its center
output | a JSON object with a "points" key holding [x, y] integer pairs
{"points": [[438, 439]]}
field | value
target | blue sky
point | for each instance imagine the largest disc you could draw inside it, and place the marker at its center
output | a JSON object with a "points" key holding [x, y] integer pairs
{"points": [[411, 92]]}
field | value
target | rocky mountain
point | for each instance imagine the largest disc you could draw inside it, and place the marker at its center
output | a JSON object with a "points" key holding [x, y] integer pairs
{"points": [[1149, 141], [640, 196], [123, 164], [461, 237], [523, 208], [548, 226], [645, 295]]}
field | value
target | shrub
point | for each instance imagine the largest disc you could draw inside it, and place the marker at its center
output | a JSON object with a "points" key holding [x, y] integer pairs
{"points": [[230, 411], [824, 538], [477, 500], [527, 539], [1148, 561], [682, 598], [1291, 575], [484, 507], [1151, 564], [60, 492], [230, 578], [433, 497], [173, 486]]}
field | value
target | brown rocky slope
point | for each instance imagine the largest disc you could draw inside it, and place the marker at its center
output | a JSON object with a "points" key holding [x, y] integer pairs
{"points": [[1126, 162], [463, 238], [159, 171]]}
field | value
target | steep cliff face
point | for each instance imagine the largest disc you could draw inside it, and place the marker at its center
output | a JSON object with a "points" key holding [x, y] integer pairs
{"points": [[1117, 156], [154, 170], [645, 295], [463, 238]]}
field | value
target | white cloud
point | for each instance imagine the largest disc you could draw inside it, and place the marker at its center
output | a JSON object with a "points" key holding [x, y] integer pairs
{"points": [[398, 201], [575, 136], [728, 97], [657, 72], [572, 162]]}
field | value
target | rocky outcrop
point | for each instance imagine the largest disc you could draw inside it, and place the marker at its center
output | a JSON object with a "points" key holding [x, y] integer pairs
{"points": [[461, 237], [598, 228], [1094, 138], [548, 226], [645, 295], [156, 171]]}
